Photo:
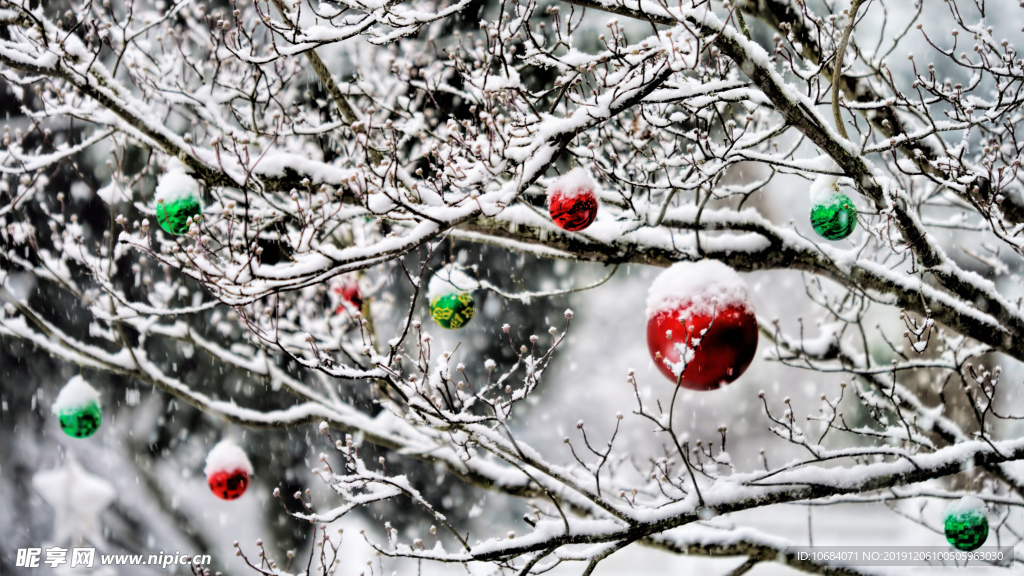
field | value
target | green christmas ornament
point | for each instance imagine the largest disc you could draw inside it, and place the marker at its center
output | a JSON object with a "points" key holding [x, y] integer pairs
{"points": [[453, 311], [177, 200], [78, 408], [833, 214], [967, 523], [451, 299]]}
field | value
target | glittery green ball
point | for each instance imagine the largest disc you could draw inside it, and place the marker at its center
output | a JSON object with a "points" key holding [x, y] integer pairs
{"points": [[173, 215], [81, 421], [835, 218], [967, 530], [453, 311]]}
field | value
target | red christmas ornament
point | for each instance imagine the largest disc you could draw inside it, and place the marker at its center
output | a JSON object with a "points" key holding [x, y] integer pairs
{"points": [[701, 328], [349, 291], [227, 470], [572, 202], [228, 485]]}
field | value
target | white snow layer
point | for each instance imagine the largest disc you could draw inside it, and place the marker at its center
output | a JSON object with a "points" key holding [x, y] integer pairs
{"points": [[75, 394], [824, 187], [227, 456], [449, 280], [966, 505], [113, 193], [701, 283], [78, 498], [572, 184], [175, 185]]}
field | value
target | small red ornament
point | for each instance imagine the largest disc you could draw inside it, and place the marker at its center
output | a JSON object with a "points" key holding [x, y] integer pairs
{"points": [[348, 289], [702, 310], [572, 202], [227, 470], [228, 485]]}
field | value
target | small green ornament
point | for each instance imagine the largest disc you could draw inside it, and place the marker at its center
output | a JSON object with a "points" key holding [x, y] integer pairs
{"points": [[173, 215], [453, 311], [83, 422], [967, 524], [78, 408], [177, 199], [835, 218]]}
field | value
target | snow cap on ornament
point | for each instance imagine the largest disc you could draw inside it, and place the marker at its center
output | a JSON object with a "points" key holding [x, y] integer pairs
{"points": [[967, 523], [833, 214], [701, 328], [450, 293], [227, 470], [177, 199], [78, 409], [572, 200]]}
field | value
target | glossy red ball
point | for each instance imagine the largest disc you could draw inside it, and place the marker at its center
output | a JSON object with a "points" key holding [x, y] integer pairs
{"points": [[723, 344], [228, 485], [573, 213]]}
